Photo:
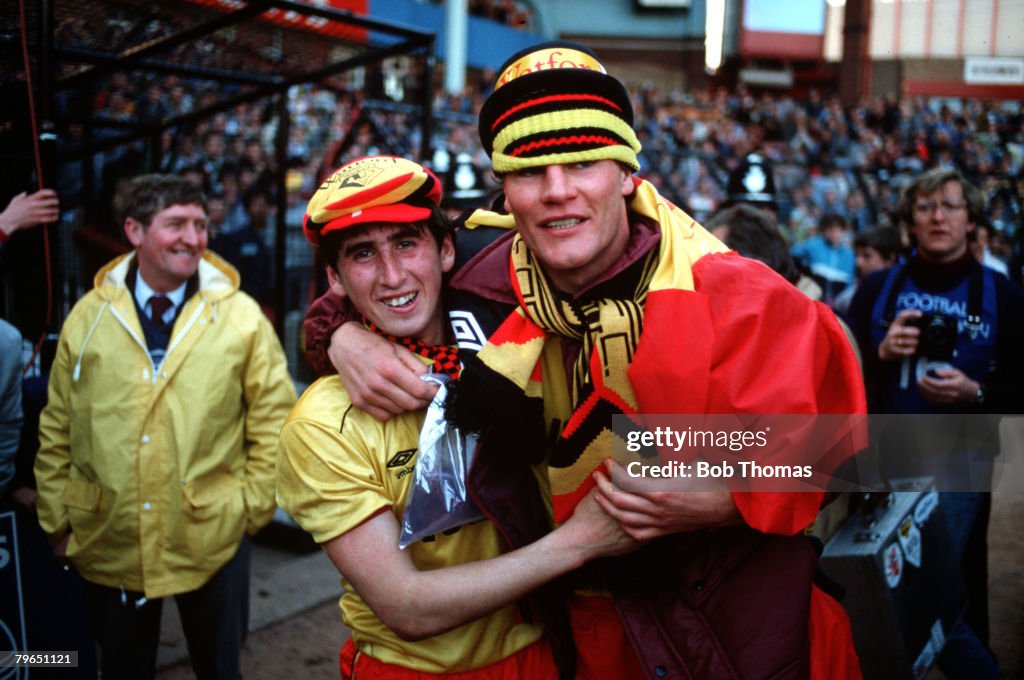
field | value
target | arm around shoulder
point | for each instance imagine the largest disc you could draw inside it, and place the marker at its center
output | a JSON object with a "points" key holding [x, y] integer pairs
{"points": [[327, 313]]}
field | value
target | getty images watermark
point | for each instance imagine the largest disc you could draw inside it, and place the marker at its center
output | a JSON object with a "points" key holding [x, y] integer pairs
{"points": [[772, 452]]}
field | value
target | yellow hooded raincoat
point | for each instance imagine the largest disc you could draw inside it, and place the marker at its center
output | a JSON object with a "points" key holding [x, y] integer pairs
{"points": [[158, 471]]}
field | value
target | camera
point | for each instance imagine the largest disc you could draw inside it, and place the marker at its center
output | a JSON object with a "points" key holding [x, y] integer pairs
{"points": [[938, 336]]}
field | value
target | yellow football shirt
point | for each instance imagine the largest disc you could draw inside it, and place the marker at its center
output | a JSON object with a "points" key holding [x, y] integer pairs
{"points": [[338, 467]]}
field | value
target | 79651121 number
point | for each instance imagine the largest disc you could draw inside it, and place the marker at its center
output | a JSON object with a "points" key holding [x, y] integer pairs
{"points": [[17, 659]]}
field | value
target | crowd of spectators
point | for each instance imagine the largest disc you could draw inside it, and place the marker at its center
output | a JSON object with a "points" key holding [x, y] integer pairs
{"points": [[826, 160]]}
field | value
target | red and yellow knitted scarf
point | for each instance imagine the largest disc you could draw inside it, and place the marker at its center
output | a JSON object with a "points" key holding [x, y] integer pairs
{"points": [[445, 357]]}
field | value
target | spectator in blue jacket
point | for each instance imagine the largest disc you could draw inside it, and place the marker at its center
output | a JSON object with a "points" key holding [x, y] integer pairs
{"points": [[828, 257]]}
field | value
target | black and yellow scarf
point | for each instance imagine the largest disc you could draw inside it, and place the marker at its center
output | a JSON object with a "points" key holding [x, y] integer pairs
{"points": [[521, 366], [608, 331]]}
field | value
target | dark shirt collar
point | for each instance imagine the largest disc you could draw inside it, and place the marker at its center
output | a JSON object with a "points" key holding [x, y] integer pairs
{"points": [[936, 275]]}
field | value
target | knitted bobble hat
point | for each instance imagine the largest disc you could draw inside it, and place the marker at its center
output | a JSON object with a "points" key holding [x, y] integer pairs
{"points": [[555, 103]]}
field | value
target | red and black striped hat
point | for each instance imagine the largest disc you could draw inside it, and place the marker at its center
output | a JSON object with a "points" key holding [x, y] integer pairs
{"points": [[555, 103], [386, 189]]}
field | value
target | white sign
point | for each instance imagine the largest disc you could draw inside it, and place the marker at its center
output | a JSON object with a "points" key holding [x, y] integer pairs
{"points": [[665, 4], [766, 77], [994, 71]]}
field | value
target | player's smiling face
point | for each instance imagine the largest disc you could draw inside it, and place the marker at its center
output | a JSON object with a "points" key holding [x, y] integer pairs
{"points": [[572, 217], [392, 274]]}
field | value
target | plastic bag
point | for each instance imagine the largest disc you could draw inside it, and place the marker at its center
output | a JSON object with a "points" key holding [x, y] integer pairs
{"points": [[438, 500]]}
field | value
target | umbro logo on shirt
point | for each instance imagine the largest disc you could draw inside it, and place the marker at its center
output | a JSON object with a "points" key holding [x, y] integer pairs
{"points": [[468, 334], [401, 458]]}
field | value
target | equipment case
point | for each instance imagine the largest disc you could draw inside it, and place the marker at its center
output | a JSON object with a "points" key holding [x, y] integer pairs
{"points": [[904, 590]]}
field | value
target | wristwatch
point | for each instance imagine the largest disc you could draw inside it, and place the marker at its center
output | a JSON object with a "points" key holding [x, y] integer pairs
{"points": [[979, 396]]}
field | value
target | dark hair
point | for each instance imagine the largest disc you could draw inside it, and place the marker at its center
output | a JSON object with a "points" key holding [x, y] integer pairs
{"points": [[752, 233], [254, 191], [144, 196], [933, 181], [437, 225], [885, 240], [832, 219], [202, 179], [210, 134]]}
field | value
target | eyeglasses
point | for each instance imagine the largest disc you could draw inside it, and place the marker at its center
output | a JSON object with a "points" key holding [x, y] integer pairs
{"points": [[928, 207]]}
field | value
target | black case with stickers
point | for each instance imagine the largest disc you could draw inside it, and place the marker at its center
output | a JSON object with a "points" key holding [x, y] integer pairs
{"points": [[904, 591]]}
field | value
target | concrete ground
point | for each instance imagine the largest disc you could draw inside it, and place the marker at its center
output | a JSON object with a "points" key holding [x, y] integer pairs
{"points": [[297, 629], [295, 624]]}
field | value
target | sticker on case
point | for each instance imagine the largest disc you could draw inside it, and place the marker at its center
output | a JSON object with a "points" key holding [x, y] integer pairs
{"points": [[892, 561], [910, 540]]}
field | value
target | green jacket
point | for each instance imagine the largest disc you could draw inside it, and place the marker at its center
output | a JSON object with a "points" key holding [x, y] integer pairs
{"points": [[159, 471]]}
